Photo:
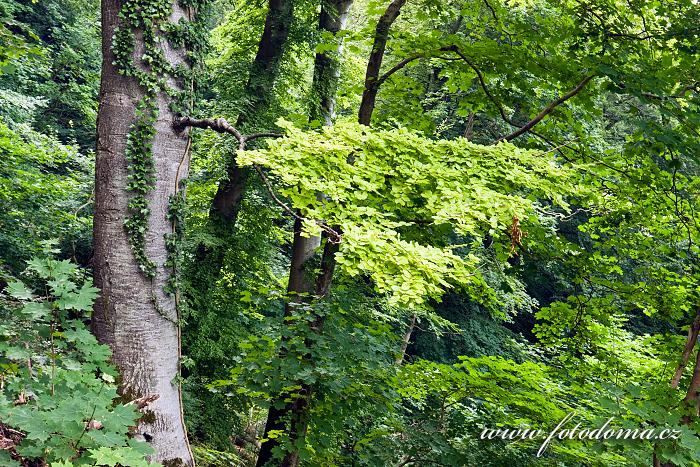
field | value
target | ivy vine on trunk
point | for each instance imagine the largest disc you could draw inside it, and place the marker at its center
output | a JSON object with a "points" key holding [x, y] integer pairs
{"points": [[151, 50]]}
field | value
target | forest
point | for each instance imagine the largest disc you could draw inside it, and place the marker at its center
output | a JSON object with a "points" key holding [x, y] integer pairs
{"points": [[380, 233]]}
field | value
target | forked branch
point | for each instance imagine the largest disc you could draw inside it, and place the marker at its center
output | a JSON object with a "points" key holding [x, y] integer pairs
{"points": [[220, 125]]}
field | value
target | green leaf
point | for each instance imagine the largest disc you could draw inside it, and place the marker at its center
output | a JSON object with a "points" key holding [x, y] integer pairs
{"points": [[18, 290]]}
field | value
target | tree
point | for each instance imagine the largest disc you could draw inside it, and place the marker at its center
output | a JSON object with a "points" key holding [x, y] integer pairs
{"points": [[142, 159], [259, 94], [302, 285]]}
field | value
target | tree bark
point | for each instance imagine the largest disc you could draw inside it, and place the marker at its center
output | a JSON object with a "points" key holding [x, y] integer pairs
{"points": [[374, 64], [691, 394], [301, 284], [327, 65], [134, 315], [689, 344], [406, 340]]}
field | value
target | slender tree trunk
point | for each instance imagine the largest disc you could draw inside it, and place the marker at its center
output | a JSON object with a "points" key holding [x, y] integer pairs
{"points": [[301, 283], [204, 272], [327, 65], [258, 92], [133, 314], [406, 340], [297, 412], [299, 289], [226, 204], [469, 128], [689, 344], [692, 397], [374, 64]]}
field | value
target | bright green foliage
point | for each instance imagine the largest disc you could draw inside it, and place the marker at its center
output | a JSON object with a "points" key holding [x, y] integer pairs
{"points": [[13, 45], [207, 457], [608, 248], [58, 388], [381, 187], [348, 366]]}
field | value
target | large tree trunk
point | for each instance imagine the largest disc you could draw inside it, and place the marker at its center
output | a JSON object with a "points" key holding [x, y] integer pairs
{"points": [[134, 315], [301, 283]]}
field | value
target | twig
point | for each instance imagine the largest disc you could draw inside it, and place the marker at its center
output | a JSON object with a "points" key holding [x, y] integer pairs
{"points": [[333, 236], [493, 12]]}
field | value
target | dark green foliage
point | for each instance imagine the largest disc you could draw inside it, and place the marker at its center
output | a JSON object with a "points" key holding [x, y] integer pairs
{"points": [[219, 310], [44, 191], [478, 334], [64, 75], [58, 391]]}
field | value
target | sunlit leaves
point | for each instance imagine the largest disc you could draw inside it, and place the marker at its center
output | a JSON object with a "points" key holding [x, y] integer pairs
{"points": [[386, 190]]}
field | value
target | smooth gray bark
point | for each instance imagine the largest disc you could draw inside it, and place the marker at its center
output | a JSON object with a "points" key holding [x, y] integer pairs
{"points": [[133, 314]]}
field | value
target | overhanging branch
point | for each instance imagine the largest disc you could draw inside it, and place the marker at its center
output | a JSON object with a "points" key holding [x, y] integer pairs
{"points": [[529, 125], [396, 68], [220, 125], [547, 110]]}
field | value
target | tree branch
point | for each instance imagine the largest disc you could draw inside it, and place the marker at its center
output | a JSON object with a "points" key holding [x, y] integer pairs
{"points": [[482, 81], [493, 12], [529, 125], [220, 125], [396, 68], [695, 87], [547, 110]]}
